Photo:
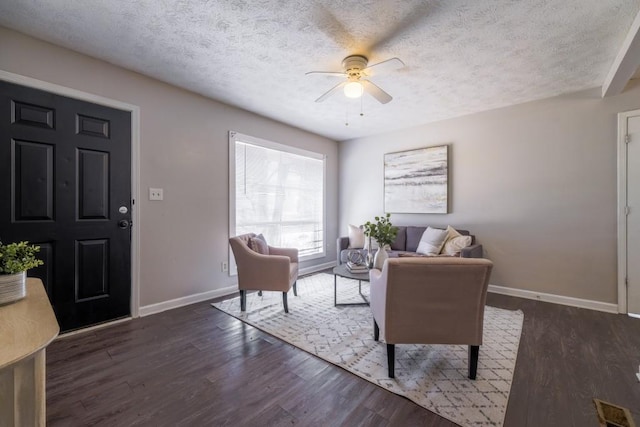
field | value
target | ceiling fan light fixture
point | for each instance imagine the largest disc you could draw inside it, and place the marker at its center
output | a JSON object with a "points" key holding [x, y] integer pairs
{"points": [[353, 90]]}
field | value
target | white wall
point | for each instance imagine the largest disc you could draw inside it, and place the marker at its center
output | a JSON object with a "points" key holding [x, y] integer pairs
{"points": [[184, 150], [536, 184]]}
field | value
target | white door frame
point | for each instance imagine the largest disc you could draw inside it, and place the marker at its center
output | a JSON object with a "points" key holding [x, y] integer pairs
{"points": [[622, 208], [135, 162]]}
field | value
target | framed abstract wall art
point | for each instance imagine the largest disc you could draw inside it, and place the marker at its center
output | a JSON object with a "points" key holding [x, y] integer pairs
{"points": [[416, 181]]}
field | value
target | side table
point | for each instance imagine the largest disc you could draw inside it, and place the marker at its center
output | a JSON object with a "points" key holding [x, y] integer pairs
{"points": [[343, 271]]}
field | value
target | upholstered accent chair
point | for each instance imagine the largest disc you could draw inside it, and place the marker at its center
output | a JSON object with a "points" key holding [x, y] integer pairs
{"points": [[431, 300], [275, 269]]}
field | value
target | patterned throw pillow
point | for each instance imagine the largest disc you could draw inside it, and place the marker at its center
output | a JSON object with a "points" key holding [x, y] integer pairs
{"points": [[259, 244], [455, 245], [455, 242]]}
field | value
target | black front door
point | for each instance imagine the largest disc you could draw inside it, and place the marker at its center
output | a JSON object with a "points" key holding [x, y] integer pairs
{"points": [[65, 184]]}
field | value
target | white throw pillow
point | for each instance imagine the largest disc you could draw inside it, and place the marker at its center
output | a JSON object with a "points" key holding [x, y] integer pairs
{"points": [[431, 241], [455, 245], [356, 237]]}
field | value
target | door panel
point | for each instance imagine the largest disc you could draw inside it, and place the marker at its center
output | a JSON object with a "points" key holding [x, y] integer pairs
{"points": [[92, 264], [32, 181], [93, 184], [65, 169], [31, 115], [633, 218], [45, 271]]}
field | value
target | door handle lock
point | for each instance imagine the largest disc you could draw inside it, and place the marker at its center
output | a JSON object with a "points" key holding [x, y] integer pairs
{"points": [[123, 223]]}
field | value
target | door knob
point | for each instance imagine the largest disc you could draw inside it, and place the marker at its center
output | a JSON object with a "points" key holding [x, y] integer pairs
{"points": [[123, 223]]}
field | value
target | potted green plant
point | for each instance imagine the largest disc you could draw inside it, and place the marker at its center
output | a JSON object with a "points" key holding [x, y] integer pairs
{"points": [[384, 233], [15, 260]]}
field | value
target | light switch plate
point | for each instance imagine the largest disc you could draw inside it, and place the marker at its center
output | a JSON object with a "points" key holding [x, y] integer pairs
{"points": [[156, 194]]}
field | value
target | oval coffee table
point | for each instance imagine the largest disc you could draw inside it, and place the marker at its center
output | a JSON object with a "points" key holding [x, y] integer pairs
{"points": [[343, 271]]}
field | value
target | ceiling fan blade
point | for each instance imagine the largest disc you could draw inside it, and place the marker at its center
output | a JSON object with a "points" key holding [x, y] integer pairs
{"points": [[373, 90], [327, 73], [411, 21], [383, 67], [330, 25], [331, 91]]}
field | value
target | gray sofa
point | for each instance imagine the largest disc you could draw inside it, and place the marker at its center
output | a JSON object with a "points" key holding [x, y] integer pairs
{"points": [[407, 241]]}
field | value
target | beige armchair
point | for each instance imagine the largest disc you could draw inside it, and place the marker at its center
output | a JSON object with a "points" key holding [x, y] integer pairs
{"points": [[277, 271], [430, 301]]}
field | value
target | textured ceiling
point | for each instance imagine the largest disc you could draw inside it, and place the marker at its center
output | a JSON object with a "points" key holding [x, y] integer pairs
{"points": [[461, 56]]}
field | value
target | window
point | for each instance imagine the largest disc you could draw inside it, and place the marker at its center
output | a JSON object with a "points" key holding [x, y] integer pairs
{"points": [[278, 191]]}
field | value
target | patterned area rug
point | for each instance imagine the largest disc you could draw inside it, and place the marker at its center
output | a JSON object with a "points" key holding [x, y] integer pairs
{"points": [[433, 376]]}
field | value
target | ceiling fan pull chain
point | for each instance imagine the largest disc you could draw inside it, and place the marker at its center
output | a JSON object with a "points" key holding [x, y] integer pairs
{"points": [[361, 109], [346, 115]]}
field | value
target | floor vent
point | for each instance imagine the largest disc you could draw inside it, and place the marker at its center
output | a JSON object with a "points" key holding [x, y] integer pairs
{"points": [[611, 415]]}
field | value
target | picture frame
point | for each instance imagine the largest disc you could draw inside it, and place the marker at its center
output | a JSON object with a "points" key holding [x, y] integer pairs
{"points": [[417, 181]]}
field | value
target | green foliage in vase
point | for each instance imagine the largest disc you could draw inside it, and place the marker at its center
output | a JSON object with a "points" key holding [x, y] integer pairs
{"points": [[381, 230], [18, 257]]}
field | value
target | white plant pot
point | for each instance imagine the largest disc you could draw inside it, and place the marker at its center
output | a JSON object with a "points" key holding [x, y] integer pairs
{"points": [[12, 287], [380, 257]]}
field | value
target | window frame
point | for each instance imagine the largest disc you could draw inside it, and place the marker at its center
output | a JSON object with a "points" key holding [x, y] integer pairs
{"points": [[240, 137]]}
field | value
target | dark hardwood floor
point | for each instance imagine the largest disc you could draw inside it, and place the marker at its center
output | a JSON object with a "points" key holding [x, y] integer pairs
{"points": [[196, 366]]}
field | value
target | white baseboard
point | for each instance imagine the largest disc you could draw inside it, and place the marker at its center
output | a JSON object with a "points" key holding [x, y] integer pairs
{"points": [[64, 335], [557, 299], [521, 293], [190, 299]]}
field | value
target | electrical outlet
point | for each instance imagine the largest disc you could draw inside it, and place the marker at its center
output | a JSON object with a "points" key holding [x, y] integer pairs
{"points": [[156, 194], [224, 266]]}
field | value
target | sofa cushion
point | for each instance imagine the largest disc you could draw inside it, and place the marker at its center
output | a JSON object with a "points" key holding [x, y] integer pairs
{"points": [[414, 234], [400, 243], [416, 255], [356, 237], [432, 241]]}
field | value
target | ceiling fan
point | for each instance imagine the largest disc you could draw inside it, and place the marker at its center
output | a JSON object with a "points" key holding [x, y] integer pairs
{"points": [[355, 74]]}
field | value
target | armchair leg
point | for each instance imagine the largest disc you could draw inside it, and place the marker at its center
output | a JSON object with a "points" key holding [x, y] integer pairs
{"points": [[284, 301], [295, 289], [376, 330], [391, 359], [243, 300], [474, 350]]}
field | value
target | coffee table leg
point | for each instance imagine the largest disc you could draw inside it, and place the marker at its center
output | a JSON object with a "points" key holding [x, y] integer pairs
{"points": [[335, 294], [360, 291]]}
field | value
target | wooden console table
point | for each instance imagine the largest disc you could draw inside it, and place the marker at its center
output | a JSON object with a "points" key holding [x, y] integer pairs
{"points": [[26, 328]]}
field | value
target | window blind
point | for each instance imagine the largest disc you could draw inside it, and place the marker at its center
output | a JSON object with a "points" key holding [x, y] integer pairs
{"points": [[281, 195]]}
